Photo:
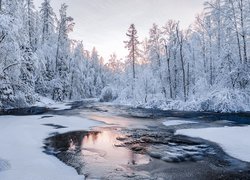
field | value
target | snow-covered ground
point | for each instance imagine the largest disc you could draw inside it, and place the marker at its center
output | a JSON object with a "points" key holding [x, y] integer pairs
{"points": [[47, 102], [177, 122], [221, 100], [21, 139], [234, 140]]}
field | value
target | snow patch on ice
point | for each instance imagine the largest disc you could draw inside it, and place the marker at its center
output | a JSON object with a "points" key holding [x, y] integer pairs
{"points": [[177, 122], [234, 140]]}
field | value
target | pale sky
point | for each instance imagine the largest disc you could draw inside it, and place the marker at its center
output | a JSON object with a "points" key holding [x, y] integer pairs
{"points": [[104, 23]]}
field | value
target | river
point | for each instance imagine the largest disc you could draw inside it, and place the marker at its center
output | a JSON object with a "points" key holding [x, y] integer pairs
{"points": [[132, 143]]}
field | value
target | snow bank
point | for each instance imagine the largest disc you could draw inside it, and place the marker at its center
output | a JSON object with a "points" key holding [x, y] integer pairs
{"points": [[223, 100], [177, 122], [234, 140], [46, 102], [21, 140], [60, 106]]}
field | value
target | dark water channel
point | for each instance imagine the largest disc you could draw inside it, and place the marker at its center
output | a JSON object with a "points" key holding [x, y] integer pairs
{"points": [[133, 144]]}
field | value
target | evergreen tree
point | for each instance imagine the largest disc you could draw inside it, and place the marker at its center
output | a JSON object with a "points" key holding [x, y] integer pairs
{"points": [[30, 22], [48, 20], [133, 47]]}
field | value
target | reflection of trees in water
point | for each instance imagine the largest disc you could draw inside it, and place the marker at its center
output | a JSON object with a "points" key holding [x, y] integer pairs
{"points": [[101, 142], [101, 138], [132, 157], [94, 151], [67, 141], [91, 137]]}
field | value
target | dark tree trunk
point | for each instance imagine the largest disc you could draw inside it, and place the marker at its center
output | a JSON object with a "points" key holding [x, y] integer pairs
{"points": [[180, 40], [0, 5], [169, 71], [236, 31], [244, 38]]}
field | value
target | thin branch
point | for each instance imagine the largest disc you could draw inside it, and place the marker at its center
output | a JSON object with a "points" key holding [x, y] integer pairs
{"points": [[9, 66], [2, 37]]}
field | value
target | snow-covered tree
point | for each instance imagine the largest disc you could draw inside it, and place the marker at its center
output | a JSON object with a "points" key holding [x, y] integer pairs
{"points": [[30, 22], [155, 47], [65, 25], [133, 47], [196, 67], [48, 20], [37, 58]]}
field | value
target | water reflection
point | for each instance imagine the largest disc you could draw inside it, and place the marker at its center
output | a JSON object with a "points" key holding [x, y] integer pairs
{"points": [[94, 154], [72, 145], [102, 146], [103, 159], [112, 120]]}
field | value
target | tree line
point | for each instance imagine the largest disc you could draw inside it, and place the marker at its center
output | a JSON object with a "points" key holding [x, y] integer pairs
{"points": [[204, 67], [37, 57]]}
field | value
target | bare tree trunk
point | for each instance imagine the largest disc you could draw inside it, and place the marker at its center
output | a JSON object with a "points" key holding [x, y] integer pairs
{"points": [[188, 79], [180, 39], [219, 30], [45, 27], [160, 76], [233, 80], [30, 24], [193, 72], [0, 5], [133, 55], [243, 31], [71, 86], [204, 55], [211, 61], [183, 71], [237, 31], [57, 52], [146, 91], [133, 66], [244, 82], [169, 71], [175, 76], [58, 47], [2, 36]]}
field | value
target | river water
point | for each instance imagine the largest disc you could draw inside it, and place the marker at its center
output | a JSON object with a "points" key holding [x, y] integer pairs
{"points": [[132, 143]]}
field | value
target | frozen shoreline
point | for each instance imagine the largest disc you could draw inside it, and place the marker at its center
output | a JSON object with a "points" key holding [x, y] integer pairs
{"points": [[46, 102], [21, 140], [233, 140]]}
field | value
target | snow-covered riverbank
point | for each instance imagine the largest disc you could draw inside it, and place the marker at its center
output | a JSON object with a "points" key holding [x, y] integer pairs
{"points": [[234, 140], [223, 100], [49, 103], [21, 140]]}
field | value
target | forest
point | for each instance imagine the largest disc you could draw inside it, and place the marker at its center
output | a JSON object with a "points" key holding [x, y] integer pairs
{"points": [[177, 106], [205, 67]]}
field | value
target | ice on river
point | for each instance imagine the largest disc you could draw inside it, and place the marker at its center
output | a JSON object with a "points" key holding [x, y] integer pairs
{"points": [[177, 122], [234, 140]]}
